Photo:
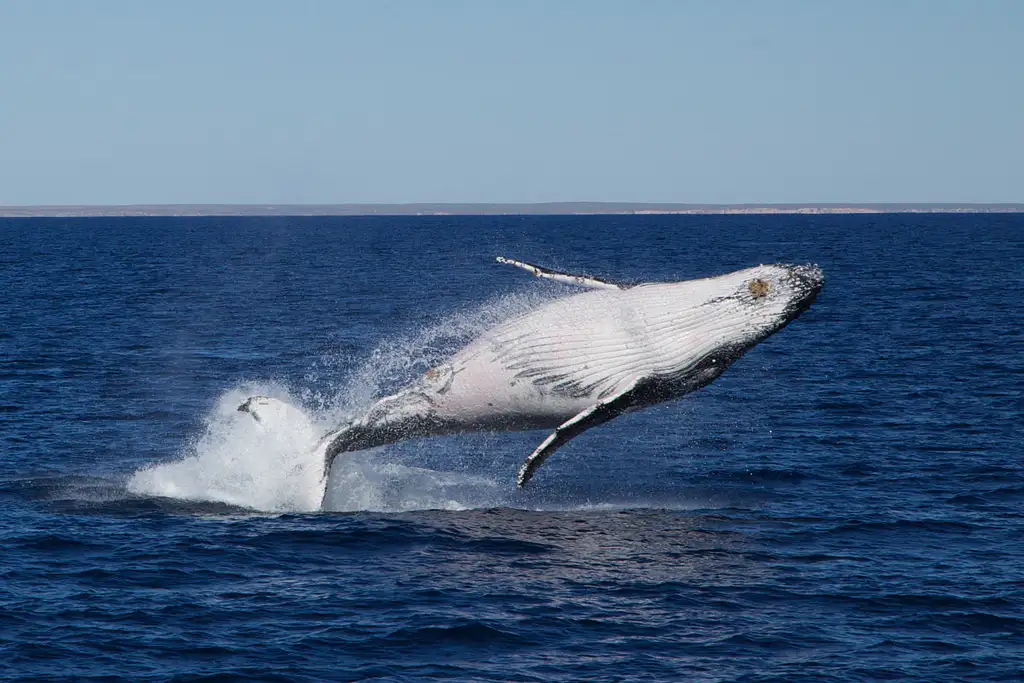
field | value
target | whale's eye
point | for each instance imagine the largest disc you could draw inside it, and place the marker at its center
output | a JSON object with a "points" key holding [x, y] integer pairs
{"points": [[759, 288]]}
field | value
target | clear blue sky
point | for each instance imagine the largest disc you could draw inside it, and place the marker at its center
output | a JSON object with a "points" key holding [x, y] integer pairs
{"points": [[205, 101]]}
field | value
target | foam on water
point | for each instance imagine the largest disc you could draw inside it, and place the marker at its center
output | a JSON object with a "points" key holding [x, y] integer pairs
{"points": [[236, 460], [366, 481]]}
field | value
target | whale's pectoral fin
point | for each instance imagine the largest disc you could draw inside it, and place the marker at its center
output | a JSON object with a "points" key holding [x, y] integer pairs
{"points": [[593, 416], [566, 278]]}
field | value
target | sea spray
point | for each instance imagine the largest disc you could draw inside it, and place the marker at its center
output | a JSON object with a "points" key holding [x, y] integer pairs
{"points": [[237, 461], [397, 360]]}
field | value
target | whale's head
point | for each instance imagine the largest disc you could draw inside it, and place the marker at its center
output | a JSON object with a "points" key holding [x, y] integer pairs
{"points": [[759, 301], [711, 322]]}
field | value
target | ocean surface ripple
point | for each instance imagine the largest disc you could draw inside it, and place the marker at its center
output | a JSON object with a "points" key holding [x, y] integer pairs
{"points": [[845, 503]]}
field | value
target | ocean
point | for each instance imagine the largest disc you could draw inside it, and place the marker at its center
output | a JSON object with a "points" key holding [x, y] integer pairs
{"points": [[845, 503]]}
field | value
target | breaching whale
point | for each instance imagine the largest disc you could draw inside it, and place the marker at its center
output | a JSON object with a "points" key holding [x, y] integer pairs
{"points": [[578, 361]]}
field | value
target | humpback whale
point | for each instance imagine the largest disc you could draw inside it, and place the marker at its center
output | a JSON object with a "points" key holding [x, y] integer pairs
{"points": [[578, 361]]}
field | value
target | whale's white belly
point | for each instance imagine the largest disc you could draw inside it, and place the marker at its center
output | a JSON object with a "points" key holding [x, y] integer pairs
{"points": [[539, 369]]}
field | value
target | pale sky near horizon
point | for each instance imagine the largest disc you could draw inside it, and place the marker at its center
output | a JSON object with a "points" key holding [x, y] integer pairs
{"points": [[221, 101]]}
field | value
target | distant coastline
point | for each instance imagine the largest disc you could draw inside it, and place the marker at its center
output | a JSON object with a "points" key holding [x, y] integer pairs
{"points": [[443, 209]]}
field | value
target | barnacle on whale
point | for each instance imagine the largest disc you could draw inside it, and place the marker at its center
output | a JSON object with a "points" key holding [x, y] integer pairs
{"points": [[759, 288]]}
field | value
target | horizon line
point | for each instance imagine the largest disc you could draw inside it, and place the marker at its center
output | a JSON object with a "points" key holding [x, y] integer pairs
{"points": [[495, 208]]}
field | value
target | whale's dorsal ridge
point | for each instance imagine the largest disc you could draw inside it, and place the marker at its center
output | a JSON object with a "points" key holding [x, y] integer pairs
{"points": [[565, 278]]}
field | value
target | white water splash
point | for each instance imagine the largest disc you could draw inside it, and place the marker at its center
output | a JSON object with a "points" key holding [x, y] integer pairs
{"points": [[237, 461]]}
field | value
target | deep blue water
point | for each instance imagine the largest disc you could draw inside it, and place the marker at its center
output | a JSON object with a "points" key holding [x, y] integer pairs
{"points": [[845, 503]]}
